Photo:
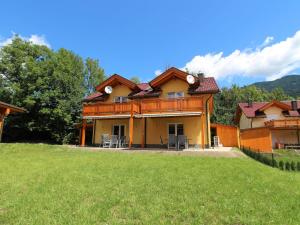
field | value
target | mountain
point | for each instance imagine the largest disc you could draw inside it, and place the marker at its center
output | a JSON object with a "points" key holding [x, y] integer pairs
{"points": [[290, 85]]}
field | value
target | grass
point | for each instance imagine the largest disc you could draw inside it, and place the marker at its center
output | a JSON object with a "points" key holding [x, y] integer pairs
{"points": [[43, 184]]}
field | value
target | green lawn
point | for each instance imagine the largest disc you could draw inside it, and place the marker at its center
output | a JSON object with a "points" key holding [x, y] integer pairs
{"points": [[42, 184]]}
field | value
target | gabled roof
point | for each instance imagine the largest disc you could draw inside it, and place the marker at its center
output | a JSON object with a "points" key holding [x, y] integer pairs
{"points": [[12, 108], [257, 108], [115, 80], [275, 103], [168, 75], [207, 85]]}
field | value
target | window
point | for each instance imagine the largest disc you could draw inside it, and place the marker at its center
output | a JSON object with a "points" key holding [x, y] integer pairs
{"points": [[120, 99], [176, 128], [175, 94]]}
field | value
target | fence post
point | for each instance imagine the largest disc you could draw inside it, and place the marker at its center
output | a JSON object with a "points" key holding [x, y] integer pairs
{"points": [[273, 163]]}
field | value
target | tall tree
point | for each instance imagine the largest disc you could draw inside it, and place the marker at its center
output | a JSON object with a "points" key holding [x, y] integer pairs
{"points": [[93, 75], [50, 85], [135, 79], [225, 102]]}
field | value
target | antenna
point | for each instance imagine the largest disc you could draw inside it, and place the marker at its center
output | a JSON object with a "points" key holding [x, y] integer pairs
{"points": [[108, 89], [190, 79]]}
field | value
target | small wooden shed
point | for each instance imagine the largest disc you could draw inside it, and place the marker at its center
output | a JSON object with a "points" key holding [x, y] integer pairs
{"points": [[5, 110]]}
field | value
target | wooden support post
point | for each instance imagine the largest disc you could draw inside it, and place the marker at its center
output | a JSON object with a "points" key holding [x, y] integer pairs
{"points": [[203, 131], [83, 128], [131, 127], [143, 133]]}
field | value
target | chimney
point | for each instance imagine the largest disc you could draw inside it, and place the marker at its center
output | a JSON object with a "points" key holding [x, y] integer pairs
{"points": [[200, 77], [294, 105]]}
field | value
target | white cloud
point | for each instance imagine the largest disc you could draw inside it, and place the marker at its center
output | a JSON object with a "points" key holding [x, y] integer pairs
{"points": [[157, 72], [34, 38], [267, 41], [267, 61]]}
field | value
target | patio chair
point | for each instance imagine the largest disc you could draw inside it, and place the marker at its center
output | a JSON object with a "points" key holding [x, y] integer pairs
{"points": [[182, 141], [114, 141], [123, 142], [172, 141], [105, 141]]}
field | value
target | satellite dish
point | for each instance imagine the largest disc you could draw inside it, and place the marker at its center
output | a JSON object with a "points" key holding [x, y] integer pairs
{"points": [[108, 89], [190, 79]]}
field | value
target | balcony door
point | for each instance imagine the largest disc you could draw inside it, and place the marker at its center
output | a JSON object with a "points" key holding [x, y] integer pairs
{"points": [[119, 130], [175, 128]]}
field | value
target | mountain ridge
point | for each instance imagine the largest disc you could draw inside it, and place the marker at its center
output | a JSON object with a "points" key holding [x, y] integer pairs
{"points": [[289, 83]]}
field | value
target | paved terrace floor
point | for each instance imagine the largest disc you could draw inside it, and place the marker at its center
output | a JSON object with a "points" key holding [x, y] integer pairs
{"points": [[224, 152]]}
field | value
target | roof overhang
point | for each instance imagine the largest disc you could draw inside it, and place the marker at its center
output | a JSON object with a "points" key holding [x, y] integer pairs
{"points": [[107, 116], [12, 108], [116, 80], [157, 115], [277, 104], [167, 75]]}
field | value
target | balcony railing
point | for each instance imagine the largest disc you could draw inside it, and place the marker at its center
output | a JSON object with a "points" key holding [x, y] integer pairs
{"points": [[189, 104], [172, 105], [100, 109], [289, 123]]}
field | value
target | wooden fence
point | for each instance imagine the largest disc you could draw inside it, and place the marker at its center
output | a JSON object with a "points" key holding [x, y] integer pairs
{"points": [[228, 134], [258, 139]]}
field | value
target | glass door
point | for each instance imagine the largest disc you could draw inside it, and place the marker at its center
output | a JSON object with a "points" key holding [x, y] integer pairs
{"points": [[119, 130], [176, 128]]}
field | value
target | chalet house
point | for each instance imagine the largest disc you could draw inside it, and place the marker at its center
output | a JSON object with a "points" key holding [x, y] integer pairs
{"points": [[268, 125], [5, 110], [173, 104]]}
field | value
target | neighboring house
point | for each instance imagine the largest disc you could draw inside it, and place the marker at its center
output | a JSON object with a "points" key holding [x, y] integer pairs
{"points": [[173, 103], [268, 125], [5, 110]]}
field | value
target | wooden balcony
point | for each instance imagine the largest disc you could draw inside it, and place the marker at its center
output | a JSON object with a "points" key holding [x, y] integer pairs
{"points": [[291, 123], [101, 109], [190, 104], [145, 106]]}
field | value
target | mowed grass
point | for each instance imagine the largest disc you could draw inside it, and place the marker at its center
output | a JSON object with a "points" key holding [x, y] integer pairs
{"points": [[42, 184]]}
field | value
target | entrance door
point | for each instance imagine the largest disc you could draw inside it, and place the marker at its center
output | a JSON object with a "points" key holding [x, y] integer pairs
{"points": [[176, 128], [119, 130]]}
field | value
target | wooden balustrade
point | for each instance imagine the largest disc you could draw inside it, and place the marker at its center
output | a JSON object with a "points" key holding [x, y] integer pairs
{"points": [[283, 123], [157, 105], [172, 105], [99, 109]]}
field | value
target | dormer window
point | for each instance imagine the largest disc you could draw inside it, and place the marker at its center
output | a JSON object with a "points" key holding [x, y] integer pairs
{"points": [[121, 99], [176, 94]]}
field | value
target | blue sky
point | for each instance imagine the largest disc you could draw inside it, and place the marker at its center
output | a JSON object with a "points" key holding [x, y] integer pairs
{"points": [[137, 38]]}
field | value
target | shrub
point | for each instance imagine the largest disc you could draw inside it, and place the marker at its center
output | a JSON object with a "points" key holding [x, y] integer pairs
{"points": [[298, 166], [275, 163], [281, 165], [293, 165], [287, 166]]}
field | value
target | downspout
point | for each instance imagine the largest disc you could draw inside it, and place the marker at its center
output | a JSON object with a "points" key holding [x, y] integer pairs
{"points": [[207, 122]]}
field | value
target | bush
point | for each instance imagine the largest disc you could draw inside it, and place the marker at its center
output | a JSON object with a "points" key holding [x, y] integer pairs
{"points": [[281, 165], [298, 166], [275, 163], [287, 166], [293, 166]]}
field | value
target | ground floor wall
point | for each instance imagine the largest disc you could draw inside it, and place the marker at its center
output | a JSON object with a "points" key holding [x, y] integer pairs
{"points": [[154, 131], [285, 136]]}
